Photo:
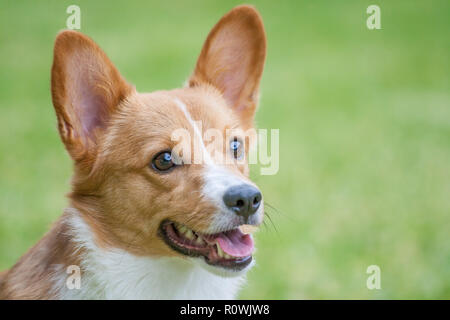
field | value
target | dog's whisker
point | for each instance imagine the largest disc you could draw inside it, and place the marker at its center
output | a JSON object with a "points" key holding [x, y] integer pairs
{"points": [[271, 221], [276, 210]]}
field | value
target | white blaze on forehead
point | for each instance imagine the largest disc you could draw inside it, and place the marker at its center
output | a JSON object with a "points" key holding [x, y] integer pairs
{"points": [[198, 134]]}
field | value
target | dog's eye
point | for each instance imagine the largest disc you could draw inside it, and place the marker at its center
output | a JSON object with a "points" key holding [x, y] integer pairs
{"points": [[163, 161], [236, 148]]}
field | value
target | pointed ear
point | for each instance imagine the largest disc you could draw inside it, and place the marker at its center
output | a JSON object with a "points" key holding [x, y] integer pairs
{"points": [[232, 60], [86, 90]]}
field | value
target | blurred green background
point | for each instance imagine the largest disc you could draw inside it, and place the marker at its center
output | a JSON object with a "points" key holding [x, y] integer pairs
{"points": [[364, 119]]}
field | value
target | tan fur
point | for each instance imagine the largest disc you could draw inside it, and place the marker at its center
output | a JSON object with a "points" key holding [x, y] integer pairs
{"points": [[31, 277], [119, 196]]}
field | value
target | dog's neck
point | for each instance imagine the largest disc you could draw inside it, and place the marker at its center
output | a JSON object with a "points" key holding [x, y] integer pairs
{"points": [[117, 274]]}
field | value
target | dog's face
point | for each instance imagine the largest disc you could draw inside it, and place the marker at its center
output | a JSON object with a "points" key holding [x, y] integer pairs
{"points": [[165, 173]]}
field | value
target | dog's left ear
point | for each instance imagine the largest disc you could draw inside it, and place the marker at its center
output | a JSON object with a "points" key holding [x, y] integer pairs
{"points": [[232, 60]]}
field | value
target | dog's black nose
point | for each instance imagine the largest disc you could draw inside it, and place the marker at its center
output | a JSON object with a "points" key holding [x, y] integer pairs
{"points": [[243, 199]]}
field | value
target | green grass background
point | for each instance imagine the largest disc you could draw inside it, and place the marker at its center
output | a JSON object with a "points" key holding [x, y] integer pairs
{"points": [[364, 119]]}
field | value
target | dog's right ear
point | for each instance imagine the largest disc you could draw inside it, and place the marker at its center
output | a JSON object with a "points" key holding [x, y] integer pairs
{"points": [[86, 91], [232, 60]]}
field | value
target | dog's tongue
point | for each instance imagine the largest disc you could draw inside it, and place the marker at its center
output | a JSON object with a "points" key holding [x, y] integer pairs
{"points": [[235, 243]]}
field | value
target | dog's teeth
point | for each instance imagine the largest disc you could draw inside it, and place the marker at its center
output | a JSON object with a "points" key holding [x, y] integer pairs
{"points": [[200, 240], [188, 234], [220, 251], [227, 256]]}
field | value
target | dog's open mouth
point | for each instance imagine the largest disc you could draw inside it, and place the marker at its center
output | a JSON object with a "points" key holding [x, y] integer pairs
{"points": [[230, 249]]}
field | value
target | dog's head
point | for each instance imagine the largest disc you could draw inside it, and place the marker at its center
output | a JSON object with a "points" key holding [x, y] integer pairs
{"points": [[165, 173]]}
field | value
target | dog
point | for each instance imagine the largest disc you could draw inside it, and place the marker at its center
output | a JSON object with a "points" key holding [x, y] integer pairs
{"points": [[142, 224]]}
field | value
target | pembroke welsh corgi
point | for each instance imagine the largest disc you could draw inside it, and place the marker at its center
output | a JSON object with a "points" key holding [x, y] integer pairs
{"points": [[145, 222]]}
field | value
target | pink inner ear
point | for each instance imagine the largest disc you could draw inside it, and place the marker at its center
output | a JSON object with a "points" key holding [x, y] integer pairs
{"points": [[92, 112], [232, 83], [90, 106]]}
